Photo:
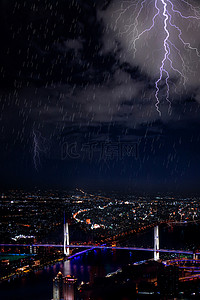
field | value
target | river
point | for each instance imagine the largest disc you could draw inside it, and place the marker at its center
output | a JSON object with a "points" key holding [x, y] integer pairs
{"points": [[38, 286]]}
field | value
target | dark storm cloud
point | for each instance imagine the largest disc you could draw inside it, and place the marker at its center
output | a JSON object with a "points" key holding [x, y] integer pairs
{"points": [[119, 19], [70, 64], [68, 74]]}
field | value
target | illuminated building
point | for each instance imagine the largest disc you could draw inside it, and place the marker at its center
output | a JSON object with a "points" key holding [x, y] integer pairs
{"points": [[58, 287], [64, 288], [69, 288]]}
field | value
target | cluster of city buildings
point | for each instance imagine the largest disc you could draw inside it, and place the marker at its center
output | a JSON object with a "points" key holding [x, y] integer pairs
{"points": [[64, 287], [38, 217], [33, 216]]}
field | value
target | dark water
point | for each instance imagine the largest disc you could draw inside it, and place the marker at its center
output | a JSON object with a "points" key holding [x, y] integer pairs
{"points": [[38, 286]]}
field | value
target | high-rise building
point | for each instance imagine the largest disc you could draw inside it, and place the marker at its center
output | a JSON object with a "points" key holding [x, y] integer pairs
{"points": [[58, 287], [69, 288], [64, 288]]}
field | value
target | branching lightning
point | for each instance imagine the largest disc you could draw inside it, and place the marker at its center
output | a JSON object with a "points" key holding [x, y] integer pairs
{"points": [[38, 148], [168, 13]]}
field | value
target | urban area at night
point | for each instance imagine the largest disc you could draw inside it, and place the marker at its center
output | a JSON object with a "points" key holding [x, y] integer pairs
{"points": [[147, 238], [99, 149]]}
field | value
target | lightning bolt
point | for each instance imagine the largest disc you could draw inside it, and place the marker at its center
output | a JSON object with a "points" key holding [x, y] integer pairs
{"points": [[166, 11], [38, 148]]}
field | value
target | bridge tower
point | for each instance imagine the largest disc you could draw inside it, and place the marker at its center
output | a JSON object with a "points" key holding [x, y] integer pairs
{"points": [[195, 256], [66, 237], [156, 243]]}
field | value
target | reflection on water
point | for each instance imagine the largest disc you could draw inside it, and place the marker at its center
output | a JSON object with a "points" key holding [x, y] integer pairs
{"points": [[39, 285]]}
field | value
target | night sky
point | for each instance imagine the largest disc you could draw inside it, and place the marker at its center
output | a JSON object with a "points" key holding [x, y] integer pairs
{"points": [[78, 95]]}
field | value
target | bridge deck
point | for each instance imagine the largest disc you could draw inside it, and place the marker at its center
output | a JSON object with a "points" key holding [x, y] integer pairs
{"points": [[102, 247]]}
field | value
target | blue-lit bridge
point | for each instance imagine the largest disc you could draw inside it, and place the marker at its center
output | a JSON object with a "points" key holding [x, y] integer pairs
{"points": [[90, 247], [66, 246]]}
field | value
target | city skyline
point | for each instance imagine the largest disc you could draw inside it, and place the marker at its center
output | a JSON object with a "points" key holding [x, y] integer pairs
{"points": [[107, 238]]}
